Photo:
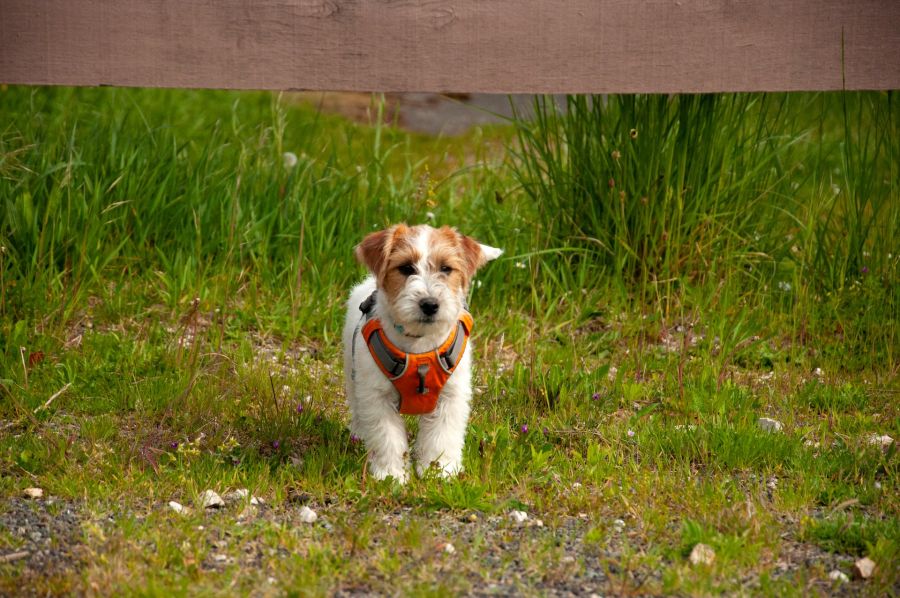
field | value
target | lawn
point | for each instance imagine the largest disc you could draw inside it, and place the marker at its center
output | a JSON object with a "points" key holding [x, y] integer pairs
{"points": [[174, 267]]}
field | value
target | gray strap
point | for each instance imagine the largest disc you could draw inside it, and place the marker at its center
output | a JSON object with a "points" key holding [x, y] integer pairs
{"points": [[390, 363], [453, 354]]}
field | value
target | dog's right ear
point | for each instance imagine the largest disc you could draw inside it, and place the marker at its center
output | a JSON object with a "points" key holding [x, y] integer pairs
{"points": [[374, 250]]}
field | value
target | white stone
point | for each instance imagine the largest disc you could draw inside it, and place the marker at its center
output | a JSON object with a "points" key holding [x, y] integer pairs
{"points": [[178, 507], [307, 515], [518, 516], [449, 548], [538, 523], [219, 558], [237, 495], [618, 525], [34, 492], [863, 568], [840, 576], [210, 500], [702, 555], [884, 441], [768, 424]]}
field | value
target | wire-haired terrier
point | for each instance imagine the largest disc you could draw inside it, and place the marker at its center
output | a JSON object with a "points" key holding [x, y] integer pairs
{"points": [[407, 349]]}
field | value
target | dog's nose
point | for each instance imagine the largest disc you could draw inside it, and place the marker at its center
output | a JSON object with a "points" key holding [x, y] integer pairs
{"points": [[429, 306]]}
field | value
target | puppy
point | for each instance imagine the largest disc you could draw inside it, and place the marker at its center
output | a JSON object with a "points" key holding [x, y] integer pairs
{"points": [[406, 348]]}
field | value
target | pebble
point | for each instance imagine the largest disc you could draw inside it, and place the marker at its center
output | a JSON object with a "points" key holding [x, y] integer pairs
{"points": [[840, 576], [449, 548], [863, 568], [884, 442], [518, 516], [178, 507], [249, 512], [210, 500], [307, 515], [768, 424], [237, 495], [618, 525], [219, 558], [702, 555], [34, 492], [473, 518]]}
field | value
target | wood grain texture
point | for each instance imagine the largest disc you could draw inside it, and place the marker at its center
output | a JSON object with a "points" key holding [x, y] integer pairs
{"points": [[503, 46]]}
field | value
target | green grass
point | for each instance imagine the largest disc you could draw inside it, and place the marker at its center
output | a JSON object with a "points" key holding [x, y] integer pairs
{"points": [[660, 292]]}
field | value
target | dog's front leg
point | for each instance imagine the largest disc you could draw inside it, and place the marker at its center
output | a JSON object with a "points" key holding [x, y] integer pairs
{"points": [[443, 432], [381, 428]]}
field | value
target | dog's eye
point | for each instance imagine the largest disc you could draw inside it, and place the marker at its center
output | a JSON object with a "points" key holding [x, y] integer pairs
{"points": [[445, 269], [407, 269]]}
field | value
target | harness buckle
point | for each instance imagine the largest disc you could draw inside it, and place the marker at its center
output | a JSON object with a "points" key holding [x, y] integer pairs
{"points": [[422, 370]]}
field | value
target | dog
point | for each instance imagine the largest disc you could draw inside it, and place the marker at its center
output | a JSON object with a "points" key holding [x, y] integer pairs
{"points": [[406, 347]]}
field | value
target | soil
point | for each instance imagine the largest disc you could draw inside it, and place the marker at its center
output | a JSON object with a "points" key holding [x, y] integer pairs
{"points": [[429, 113]]}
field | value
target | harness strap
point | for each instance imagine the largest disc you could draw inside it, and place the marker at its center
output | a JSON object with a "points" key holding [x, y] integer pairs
{"points": [[393, 365]]}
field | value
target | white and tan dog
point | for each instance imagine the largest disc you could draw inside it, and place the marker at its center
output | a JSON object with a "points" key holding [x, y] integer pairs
{"points": [[411, 313]]}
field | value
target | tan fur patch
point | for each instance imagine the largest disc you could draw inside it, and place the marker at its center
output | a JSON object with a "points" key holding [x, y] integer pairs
{"points": [[447, 249], [372, 251], [401, 251]]}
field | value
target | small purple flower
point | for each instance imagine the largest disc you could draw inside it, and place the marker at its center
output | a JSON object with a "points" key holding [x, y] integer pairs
{"points": [[299, 407], [630, 433], [524, 428], [354, 438], [865, 269], [275, 444], [596, 396], [173, 446], [546, 431]]}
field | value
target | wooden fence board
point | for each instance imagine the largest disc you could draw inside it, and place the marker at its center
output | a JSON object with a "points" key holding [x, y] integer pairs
{"points": [[504, 46]]}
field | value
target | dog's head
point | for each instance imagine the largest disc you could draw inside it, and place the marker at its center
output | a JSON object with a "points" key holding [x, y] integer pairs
{"points": [[423, 273]]}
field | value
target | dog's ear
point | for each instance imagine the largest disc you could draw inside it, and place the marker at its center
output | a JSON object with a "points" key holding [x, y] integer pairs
{"points": [[374, 250], [476, 254]]}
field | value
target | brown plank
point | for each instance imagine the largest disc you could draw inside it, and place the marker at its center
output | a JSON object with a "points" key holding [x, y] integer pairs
{"points": [[501, 46]]}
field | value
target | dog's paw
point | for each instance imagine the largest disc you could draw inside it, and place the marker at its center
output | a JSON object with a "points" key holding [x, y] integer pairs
{"points": [[398, 472]]}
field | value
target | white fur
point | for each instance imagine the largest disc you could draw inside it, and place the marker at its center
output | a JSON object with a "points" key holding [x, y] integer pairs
{"points": [[373, 399]]}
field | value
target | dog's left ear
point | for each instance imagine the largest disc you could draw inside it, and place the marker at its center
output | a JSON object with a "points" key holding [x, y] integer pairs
{"points": [[477, 254], [373, 250]]}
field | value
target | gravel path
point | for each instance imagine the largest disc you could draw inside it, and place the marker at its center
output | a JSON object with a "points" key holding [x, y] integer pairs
{"points": [[42, 543]]}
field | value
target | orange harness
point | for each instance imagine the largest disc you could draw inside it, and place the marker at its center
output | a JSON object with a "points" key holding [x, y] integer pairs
{"points": [[418, 377]]}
